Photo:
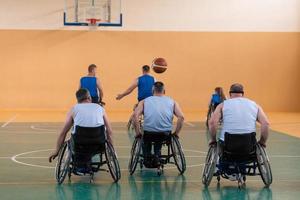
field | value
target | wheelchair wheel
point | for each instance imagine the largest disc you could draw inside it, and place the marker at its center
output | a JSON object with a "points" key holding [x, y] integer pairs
{"points": [[209, 165], [264, 166], [63, 163], [130, 127], [135, 154], [178, 154], [112, 162]]}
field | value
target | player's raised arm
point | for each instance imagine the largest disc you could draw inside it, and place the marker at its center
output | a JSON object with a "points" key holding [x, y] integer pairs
{"points": [[129, 90]]}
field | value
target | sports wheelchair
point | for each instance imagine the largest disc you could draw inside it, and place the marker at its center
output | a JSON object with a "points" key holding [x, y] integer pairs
{"points": [[77, 154], [239, 156], [174, 155]]}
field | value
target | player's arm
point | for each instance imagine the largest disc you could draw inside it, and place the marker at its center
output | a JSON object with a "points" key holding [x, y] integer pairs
{"points": [[214, 121], [100, 89], [136, 118], [129, 90], [62, 136], [264, 126], [79, 85], [108, 128], [180, 118]]}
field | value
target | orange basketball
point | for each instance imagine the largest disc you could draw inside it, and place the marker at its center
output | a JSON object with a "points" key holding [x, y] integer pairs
{"points": [[159, 65]]}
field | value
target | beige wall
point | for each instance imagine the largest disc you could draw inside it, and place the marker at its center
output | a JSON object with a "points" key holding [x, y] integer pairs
{"points": [[41, 69], [165, 15]]}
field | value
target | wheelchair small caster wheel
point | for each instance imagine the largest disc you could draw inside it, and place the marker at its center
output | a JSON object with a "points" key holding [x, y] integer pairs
{"points": [[141, 165], [244, 178], [159, 172]]}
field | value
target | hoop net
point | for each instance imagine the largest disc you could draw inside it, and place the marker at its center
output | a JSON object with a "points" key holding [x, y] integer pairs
{"points": [[93, 23]]}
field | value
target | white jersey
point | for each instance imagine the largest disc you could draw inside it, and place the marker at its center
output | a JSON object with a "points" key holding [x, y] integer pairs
{"points": [[239, 116], [88, 115]]}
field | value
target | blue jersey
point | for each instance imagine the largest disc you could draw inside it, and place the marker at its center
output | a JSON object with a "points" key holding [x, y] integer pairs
{"points": [[216, 99], [90, 83], [145, 84]]}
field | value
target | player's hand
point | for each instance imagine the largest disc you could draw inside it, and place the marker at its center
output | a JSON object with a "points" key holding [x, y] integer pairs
{"points": [[176, 135], [101, 103], [212, 143], [138, 135], [263, 144], [119, 97], [53, 156]]}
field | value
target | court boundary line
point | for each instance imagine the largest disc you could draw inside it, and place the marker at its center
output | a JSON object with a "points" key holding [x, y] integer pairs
{"points": [[189, 124], [137, 181], [14, 158], [9, 121]]}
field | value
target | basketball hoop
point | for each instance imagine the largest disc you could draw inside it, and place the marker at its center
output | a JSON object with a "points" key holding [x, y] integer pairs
{"points": [[93, 23]]}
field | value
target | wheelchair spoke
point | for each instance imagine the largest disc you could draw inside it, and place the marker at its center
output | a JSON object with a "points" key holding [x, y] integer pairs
{"points": [[112, 162], [264, 165], [178, 154], [135, 153], [63, 163]]}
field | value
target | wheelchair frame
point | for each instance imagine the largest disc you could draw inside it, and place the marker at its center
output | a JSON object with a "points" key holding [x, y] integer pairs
{"points": [[174, 151], [66, 166], [243, 168]]}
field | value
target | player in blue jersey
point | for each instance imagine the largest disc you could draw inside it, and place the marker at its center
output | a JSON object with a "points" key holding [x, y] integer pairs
{"points": [[217, 98], [144, 84], [92, 84]]}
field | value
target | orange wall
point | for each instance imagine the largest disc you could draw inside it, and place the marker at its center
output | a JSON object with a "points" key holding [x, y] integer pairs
{"points": [[41, 69]]}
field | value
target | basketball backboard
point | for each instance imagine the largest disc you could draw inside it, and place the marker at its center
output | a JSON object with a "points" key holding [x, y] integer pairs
{"points": [[79, 12]]}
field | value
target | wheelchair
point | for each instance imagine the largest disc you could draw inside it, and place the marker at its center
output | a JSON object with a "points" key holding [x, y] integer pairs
{"points": [[77, 156], [174, 155], [130, 124], [239, 156]]}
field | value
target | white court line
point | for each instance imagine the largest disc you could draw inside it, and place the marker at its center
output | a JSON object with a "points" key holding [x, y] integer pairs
{"points": [[123, 157], [189, 124], [9, 121], [42, 129]]}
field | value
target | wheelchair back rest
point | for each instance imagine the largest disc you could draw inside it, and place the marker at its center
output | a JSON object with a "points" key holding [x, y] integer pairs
{"points": [[240, 144], [89, 139]]}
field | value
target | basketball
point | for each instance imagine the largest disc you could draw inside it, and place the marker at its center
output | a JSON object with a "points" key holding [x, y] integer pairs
{"points": [[159, 65]]}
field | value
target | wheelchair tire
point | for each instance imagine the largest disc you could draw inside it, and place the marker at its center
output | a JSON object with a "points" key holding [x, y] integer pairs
{"points": [[209, 165], [112, 162], [135, 154], [264, 166], [63, 163], [178, 154], [130, 127]]}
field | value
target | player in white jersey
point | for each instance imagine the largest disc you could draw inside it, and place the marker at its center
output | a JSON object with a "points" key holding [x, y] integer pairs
{"points": [[84, 114], [239, 116]]}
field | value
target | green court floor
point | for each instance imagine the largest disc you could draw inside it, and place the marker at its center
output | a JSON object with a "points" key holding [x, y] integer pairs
{"points": [[26, 174]]}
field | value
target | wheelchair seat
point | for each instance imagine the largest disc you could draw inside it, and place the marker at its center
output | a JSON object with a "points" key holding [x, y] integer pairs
{"points": [[85, 143], [162, 137], [239, 147]]}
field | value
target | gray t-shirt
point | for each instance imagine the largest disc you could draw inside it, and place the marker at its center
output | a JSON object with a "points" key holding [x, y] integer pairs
{"points": [[158, 114]]}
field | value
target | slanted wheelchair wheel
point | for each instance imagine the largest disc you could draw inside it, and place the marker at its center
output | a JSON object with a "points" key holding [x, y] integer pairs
{"points": [[135, 154], [112, 162], [130, 126], [209, 165], [63, 163], [264, 166], [178, 154]]}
